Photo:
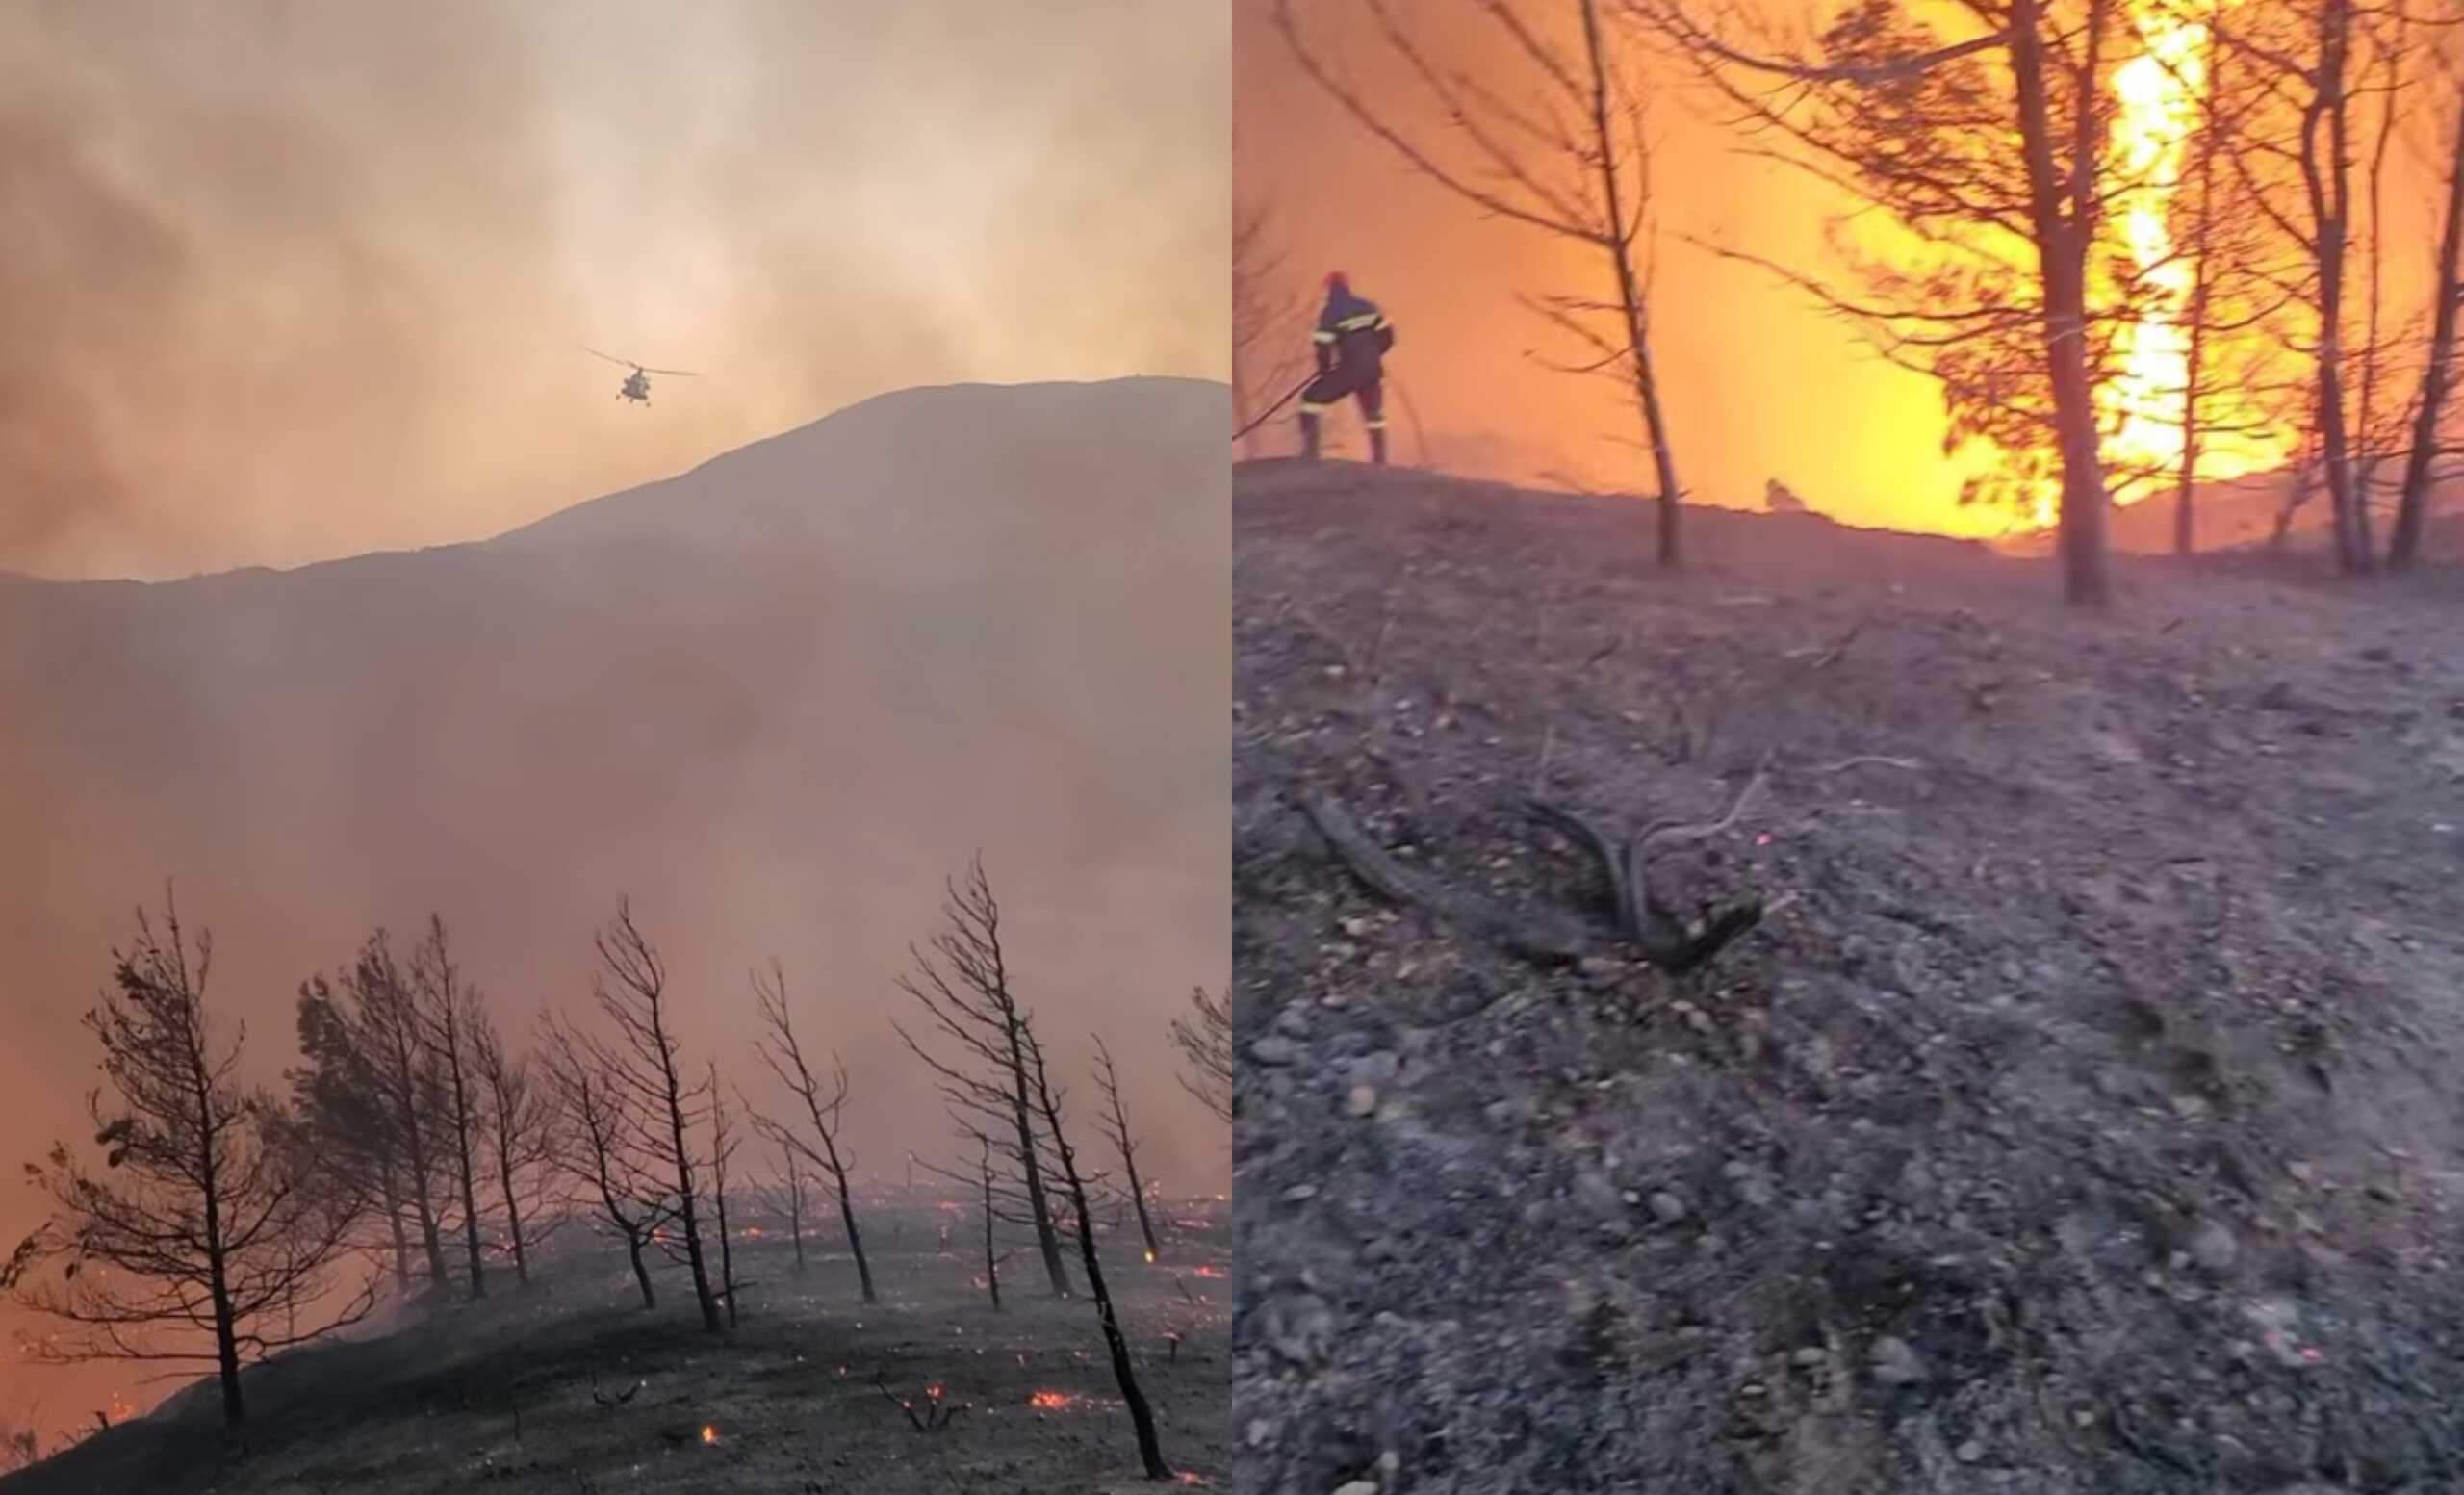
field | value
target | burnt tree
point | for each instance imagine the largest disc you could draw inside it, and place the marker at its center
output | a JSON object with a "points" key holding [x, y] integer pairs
{"points": [[1075, 1188], [448, 1012], [385, 1012], [1115, 1121], [1559, 147], [2438, 369], [991, 1260], [1268, 322], [824, 1107], [964, 988], [1992, 153], [337, 1095], [606, 1144], [204, 1232], [723, 1145], [1204, 1039], [522, 1134], [647, 1063]]}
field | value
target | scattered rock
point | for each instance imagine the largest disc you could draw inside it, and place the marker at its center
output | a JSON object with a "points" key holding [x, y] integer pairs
{"points": [[2212, 1247], [1275, 1050], [1969, 1452], [1667, 1207], [1896, 1363], [1357, 1487], [1363, 1100]]}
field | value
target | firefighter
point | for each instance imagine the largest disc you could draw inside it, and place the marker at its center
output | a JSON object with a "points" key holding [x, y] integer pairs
{"points": [[1352, 339]]}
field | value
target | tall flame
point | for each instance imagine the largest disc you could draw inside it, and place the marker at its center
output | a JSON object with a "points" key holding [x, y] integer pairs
{"points": [[2159, 92]]}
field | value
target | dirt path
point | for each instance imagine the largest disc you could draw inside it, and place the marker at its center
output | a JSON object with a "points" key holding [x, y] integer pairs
{"points": [[2082, 1117]]}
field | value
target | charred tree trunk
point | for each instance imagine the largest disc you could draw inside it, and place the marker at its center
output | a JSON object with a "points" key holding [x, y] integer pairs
{"points": [[2202, 284], [2329, 185], [1141, 1416], [1618, 241], [1116, 1123], [641, 1271], [992, 1263], [392, 1191], [227, 1336], [854, 1237], [686, 1211], [513, 1213], [2062, 217], [2412, 504]]}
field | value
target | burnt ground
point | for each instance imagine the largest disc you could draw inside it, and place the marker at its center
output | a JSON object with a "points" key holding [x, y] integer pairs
{"points": [[500, 1396], [2083, 1116]]}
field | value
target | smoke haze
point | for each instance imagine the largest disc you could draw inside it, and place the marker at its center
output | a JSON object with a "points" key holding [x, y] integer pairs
{"points": [[285, 281], [289, 282]]}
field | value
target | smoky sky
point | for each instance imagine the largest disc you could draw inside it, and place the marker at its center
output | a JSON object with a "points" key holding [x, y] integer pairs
{"points": [[284, 281]]}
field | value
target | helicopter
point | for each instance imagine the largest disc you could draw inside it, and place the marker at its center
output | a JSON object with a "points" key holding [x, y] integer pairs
{"points": [[638, 385]]}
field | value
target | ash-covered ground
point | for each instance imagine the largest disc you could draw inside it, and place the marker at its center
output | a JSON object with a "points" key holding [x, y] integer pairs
{"points": [[2082, 1117], [572, 1389]]}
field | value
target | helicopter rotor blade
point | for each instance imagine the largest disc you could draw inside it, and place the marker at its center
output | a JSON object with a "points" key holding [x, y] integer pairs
{"points": [[680, 373], [624, 363]]}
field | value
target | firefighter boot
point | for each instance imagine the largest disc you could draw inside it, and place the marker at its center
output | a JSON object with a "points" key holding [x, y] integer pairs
{"points": [[1309, 435], [1377, 444]]}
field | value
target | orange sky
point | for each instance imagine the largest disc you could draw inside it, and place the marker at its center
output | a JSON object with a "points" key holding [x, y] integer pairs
{"points": [[289, 281], [1759, 383]]}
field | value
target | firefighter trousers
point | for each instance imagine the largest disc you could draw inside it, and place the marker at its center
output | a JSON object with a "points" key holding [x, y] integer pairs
{"points": [[1328, 391]]}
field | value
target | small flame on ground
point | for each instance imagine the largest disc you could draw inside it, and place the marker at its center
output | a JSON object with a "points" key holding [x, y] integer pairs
{"points": [[1202, 1270], [934, 1391], [709, 1434], [1051, 1400], [1151, 1259]]}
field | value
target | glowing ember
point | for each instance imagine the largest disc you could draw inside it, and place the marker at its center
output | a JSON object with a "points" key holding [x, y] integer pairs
{"points": [[934, 1391], [1051, 1400], [1151, 1259], [1201, 1270], [709, 1434]]}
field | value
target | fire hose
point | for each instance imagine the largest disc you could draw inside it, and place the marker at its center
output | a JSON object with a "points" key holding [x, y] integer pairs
{"points": [[1420, 434]]}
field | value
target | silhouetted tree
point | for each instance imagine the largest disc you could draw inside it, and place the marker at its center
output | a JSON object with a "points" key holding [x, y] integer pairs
{"points": [[337, 1096], [787, 1198], [723, 1145], [197, 1226], [607, 1145], [1994, 153], [384, 1014], [824, 1107], [521, 1135], [964, 987], [1115, 1121], [1269, 320], [991, 1261], [2438, 367], [448, 1012], [647, 1063], [1559, 147], [1205, 1041], [1075, 1188]]}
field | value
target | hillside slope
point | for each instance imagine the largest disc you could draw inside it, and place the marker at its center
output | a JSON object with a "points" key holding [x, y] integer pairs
{"points": [[2080, 1118]]}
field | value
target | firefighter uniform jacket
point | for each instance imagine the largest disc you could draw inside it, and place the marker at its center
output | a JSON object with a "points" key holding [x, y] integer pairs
{"points": [[1352, 339]]}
